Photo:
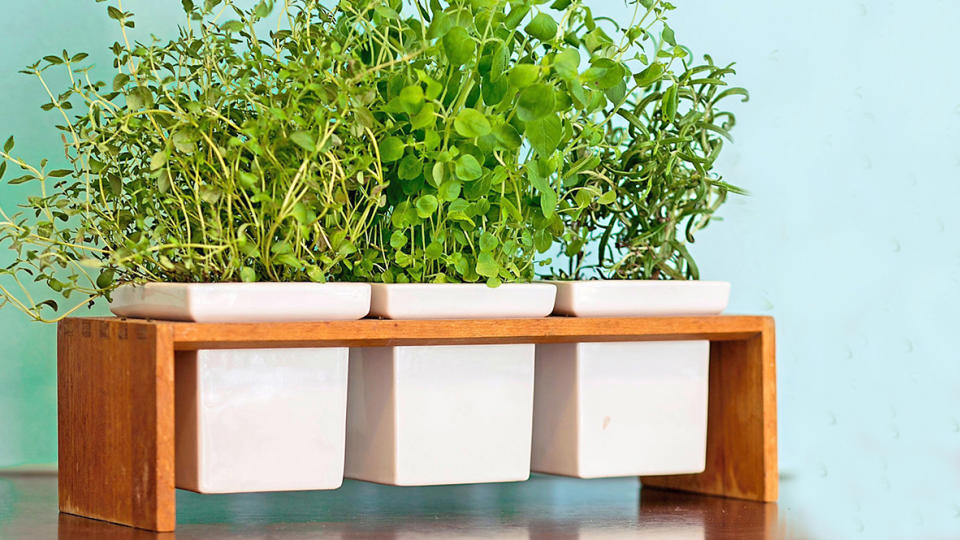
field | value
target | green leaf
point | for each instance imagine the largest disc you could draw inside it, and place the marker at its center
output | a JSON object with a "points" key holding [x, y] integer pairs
{"points": [[535, 102], [650, 75], [545, 134], [185, 141], [433, 250], [605, 73], [542, 27], [668, 36], [426, 205], [410, 167], [232, 26], [304, 140], [508, 137], [488, 242], [21, 179], [210, 194], [471, 123], [120, 81], [247, 179], [426, 117], [523, 75], [158, 160], [449, 190], [494, 91], [607, 197], [487, 266], [105, 279], [398, 240], [567, 63], [164, 182], [248, 275], [468, 168], [516, 15], [316, 275], [8, 146], [391, 149], [411, 98], [538, 177], [459, 46], [548, 202], [669, 103]]}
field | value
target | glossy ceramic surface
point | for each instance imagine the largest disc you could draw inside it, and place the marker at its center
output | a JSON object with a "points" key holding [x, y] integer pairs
{"points": [[621, 409], [461, 300], [640, 298], [260, 419], [243, 302], [440, 414]]}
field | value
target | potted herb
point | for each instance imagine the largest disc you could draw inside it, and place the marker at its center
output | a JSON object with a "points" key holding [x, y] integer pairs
{"points": [[221, 176], [488, 121], [640, 408]]}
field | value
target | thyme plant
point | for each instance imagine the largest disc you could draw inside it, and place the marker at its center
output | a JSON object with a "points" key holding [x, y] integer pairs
{"points": [[221, 155]]}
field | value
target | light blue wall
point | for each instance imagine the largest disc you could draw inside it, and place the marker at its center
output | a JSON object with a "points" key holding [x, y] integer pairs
{"points": [[849, 146]]}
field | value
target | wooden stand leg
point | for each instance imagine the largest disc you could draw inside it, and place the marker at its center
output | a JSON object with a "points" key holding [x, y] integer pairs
{"points": [[116, 438], [741, 423]]}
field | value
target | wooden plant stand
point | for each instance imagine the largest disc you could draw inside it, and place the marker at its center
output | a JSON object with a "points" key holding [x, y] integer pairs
{"points": [[116, 418]]}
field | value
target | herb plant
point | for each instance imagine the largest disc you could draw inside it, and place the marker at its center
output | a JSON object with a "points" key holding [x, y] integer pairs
{"points": [[488, 126], [397, 141], [656, 165], [221, 155]]}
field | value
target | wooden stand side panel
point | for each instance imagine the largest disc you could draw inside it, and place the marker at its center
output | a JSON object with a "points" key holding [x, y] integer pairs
{"points": [[741, 424], [116, 432]]}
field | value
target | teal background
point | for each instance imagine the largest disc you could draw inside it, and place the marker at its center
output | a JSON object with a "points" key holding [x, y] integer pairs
{"points": [[849, 147]]}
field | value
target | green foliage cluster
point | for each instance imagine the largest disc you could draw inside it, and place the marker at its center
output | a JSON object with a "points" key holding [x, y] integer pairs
{"points": [[394, 141], [659, 161], [487, 125], [217, 156]]}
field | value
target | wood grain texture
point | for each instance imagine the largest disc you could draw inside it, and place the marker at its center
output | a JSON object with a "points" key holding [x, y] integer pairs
{"points": [[116, 395], [115, 416], [384, 333], [741, 423]]}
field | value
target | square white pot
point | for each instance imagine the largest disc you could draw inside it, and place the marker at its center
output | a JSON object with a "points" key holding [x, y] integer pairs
{"points": [[255, 419], [631, 408], [461, 300], [260, 419], [440, 414], [621, 409], [430, 415], [641, 298]]}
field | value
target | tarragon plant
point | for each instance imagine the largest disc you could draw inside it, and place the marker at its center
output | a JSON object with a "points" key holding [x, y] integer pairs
{"points": [[656, 167]]}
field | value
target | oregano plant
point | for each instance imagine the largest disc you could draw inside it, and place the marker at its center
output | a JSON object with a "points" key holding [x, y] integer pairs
{"points": [[489, 124]]}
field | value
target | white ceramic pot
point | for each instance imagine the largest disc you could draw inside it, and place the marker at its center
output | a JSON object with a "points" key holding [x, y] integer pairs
{"points": [[256, 419], [626, 408], [426, 415]]}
